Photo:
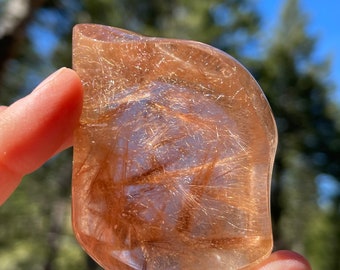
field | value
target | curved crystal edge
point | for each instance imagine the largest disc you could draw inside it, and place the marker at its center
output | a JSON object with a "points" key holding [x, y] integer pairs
{"points": [[124, 36]]}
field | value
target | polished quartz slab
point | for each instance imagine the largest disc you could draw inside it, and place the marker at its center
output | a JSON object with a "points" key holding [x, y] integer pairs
{"points": [[172, 157]]}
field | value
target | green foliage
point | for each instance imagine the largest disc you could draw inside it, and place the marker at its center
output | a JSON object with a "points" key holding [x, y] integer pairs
{"points": [[321, 247], [35, 227], [309, 137]]}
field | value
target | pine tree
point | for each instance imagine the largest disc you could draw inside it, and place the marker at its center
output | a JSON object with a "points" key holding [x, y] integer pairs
{"points": [[309, 141]]}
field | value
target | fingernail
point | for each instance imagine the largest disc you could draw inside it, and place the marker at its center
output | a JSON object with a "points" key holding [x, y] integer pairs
{"points": [[49, 79], [285, 264]]}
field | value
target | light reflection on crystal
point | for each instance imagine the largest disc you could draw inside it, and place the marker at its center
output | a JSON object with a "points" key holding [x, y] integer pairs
{"points": [[173, 155]]}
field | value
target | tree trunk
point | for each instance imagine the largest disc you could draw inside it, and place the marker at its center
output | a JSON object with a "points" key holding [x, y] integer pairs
{"points": [[14, 18]]}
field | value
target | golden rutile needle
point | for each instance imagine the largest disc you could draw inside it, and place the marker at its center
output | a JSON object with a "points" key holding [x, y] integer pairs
{"points": [[172, 157]]}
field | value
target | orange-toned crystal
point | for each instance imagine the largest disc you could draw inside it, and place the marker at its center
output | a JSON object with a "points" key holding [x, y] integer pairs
{"points": [[172, 157]]}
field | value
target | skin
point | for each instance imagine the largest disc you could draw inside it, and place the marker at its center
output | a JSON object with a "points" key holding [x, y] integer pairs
{"points": [[38, 126]]}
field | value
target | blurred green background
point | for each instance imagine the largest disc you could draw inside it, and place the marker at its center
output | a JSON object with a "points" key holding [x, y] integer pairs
{"points": [[35, 40]]}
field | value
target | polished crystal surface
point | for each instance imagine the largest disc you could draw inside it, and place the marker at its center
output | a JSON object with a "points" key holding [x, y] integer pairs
{"points": [[172, 157]]}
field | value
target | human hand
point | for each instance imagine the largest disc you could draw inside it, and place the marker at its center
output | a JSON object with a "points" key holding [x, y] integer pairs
{"points": [[40, 125], [284, 260]]}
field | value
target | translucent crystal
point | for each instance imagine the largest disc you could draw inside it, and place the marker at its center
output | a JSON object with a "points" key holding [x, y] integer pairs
{"points": [[172, 157]]}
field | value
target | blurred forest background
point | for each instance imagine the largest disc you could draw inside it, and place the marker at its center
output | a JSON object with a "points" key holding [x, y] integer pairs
{"points": [[35, 40]]}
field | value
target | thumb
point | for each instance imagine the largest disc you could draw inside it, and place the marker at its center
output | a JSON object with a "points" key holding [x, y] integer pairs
{"points": [[285, 260], [34, 128]]}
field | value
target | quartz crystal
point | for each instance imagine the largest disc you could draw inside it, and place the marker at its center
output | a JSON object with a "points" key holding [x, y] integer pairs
{"points": [[172, 157]]}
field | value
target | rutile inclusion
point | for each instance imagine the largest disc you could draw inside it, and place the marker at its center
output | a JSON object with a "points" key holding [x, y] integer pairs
{"points": [[172, 157]]}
